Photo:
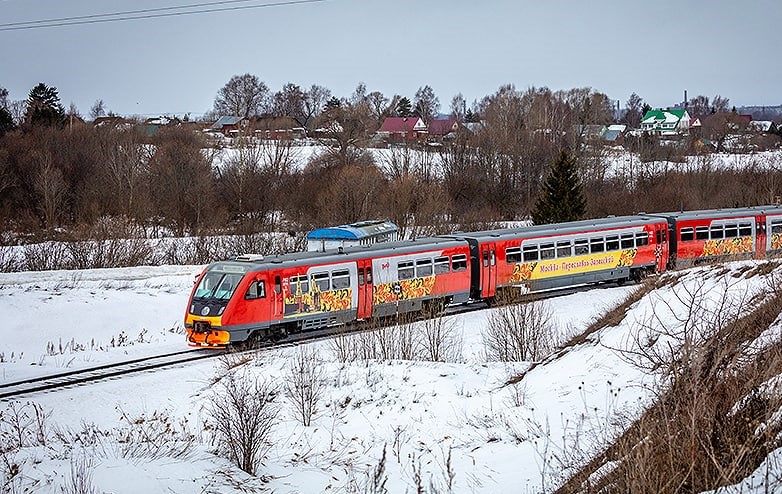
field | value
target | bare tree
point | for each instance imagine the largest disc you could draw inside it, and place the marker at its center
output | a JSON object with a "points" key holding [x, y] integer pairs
{"points": [[426, 104], [51, 189], [633, 108], [289, 102], [98, 109], [242, 96], [458, 107], [520, 332], [303, 384], [314, 101], [242, 413]]}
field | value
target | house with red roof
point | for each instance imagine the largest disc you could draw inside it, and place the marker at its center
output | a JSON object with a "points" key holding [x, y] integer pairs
{"points": [[443, 129], [399, 129]]}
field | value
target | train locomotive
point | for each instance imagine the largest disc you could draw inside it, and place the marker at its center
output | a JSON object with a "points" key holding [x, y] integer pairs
{"points": [[254, 296]]}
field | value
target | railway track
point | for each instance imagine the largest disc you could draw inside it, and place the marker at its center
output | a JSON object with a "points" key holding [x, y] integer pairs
{"points": [[23, 387], [17, 389]]}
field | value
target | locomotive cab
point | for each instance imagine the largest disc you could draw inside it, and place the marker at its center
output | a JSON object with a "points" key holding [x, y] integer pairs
{"points": [[217, 304]]}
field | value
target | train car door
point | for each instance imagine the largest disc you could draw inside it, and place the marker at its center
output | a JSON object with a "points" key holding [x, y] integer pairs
{"points": [[365, 290], [277, 298], [661, 250], [488, 260], [760, 238]]}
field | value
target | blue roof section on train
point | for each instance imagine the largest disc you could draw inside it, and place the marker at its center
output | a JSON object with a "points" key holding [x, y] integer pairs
{"points": [[354, 231]]}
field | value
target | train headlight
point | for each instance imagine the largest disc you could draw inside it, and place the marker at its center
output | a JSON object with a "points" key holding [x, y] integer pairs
{"points": [[205, 311], [220, 313]]}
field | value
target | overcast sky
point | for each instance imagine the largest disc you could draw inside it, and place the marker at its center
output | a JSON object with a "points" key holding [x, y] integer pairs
{"points": [[174, 65]]}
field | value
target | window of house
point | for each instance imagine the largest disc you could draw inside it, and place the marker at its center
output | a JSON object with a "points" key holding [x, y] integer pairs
{"points": [[405, 270], [687, 234], [442, 265], [423, 268], [459, 262], [340, 279]]}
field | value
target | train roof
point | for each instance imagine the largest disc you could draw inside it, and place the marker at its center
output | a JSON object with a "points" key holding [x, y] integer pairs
{"points": [[353, 231], [253, 262], [561, 228], [720, 213]]}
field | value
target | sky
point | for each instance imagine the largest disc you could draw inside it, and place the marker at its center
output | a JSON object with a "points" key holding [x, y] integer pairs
{"points": [[177, 64]]}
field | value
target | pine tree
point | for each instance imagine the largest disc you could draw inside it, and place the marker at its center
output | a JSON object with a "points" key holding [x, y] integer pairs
{"points": [[562, 198], [404, 108], [43, 106]]}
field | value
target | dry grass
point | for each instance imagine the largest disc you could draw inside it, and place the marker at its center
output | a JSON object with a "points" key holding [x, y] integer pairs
{"points": [[711, 424]]}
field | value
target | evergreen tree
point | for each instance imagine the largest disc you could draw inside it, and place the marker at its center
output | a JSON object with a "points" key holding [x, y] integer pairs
{"points": [[562, 198], [404, 108], [6, 121], [43, 106]]}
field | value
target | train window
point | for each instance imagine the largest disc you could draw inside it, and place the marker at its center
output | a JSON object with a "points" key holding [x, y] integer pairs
{"points": [[687, 234], [563, 248], [405, 270], [627, 241], [321, 282], [256, 290], [612, 242], [731, 231], [207, 285], [459, 262], [441, 265], [486, 259], [596, 245], [546, 251], [299, 284], [530, 253], [513, 255], [716, 232], [641, 239], [745, 229], [360, 276], [701, 233], [581, 247], [493, 258], [658, 237], [369, 276], [340, 279], [423, 268], [277, 285]]}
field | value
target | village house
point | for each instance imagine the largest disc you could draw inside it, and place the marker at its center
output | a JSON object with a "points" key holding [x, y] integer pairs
{"points": [[400, 129]]}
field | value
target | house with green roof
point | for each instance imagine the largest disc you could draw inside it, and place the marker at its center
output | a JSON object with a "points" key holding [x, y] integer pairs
{"points": [[666, 122]]}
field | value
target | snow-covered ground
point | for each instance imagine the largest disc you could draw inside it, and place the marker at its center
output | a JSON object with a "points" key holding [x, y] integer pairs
{"points": [[452, 426]]}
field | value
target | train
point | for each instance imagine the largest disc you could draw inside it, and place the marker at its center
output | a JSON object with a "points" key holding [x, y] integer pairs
{"points": [[255, 296]]}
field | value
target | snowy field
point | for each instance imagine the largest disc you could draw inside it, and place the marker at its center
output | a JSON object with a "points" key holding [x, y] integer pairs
{"points": [[451, 427]]}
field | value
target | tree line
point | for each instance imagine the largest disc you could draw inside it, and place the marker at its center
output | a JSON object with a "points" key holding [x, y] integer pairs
{"points": [[58, 178]]}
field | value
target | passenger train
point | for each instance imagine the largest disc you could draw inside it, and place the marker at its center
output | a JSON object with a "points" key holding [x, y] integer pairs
{"points": [[258, 297]]}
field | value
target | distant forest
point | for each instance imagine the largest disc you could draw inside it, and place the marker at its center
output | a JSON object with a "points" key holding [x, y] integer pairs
{"points": [[61, 175]]}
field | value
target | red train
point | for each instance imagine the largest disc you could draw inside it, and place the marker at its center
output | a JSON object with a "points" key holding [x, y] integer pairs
{"points": [[253, 296]]}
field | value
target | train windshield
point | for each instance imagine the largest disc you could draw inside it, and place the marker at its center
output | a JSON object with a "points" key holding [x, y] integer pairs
{"points": [[218, 285]]}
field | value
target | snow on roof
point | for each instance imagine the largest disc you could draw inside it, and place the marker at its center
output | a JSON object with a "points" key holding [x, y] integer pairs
{"points": [[402, 124]]}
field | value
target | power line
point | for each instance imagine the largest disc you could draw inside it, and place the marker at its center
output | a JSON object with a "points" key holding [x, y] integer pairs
{"points": [[127, 12], [95, 19]]}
